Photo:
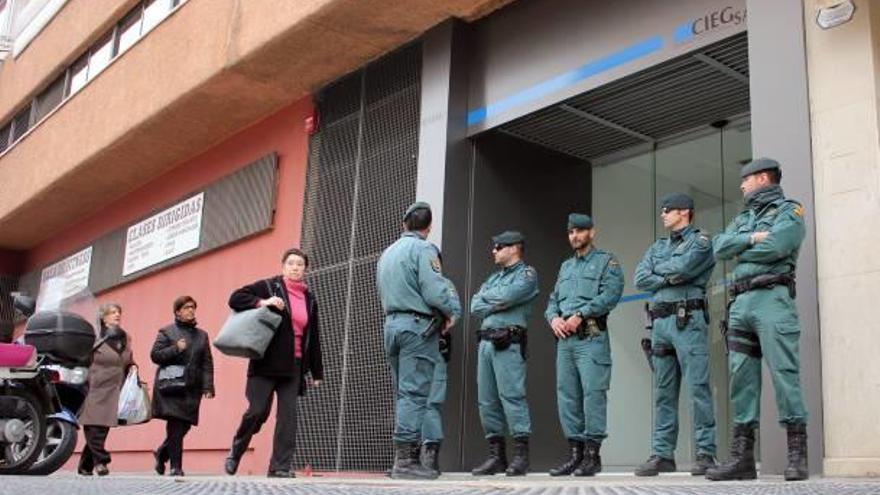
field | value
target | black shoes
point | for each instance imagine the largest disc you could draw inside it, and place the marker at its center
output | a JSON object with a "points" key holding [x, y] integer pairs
{"points": [[497, 460], [702, 464], [407, 465], [655, 465], [576, 456], [101, 470], [797, 454], [280, 473], [429, 456], [231, 465], [176, 472], [519, 465], [159, 466], [741, 465], [592, 462]]}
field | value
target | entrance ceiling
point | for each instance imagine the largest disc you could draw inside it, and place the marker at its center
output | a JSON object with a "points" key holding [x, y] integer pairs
{"points": [[683, 94]]}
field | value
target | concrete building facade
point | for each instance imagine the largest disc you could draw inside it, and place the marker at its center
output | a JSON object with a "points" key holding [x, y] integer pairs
{"points": [[316, 123]]}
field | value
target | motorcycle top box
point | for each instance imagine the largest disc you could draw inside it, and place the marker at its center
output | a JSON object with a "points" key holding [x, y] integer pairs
{"points": [[63, 337]]}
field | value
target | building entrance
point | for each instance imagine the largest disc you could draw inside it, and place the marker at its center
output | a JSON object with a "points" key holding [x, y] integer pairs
{"points": [[682, 126]]}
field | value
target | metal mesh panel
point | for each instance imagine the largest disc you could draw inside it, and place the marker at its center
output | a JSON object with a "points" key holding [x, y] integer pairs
{"points": [[362, 175], [679, 95]]}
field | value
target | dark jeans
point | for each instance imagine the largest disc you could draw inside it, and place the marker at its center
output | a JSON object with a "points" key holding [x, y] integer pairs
{"points": [[172, 448], [94, 452], [259, 392]]}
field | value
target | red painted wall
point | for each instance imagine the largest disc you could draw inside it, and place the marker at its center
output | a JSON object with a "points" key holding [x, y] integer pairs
{"points": [[210, 278]]}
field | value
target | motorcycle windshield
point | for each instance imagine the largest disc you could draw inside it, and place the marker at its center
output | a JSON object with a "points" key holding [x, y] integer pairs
{"points": [[62, 328]]}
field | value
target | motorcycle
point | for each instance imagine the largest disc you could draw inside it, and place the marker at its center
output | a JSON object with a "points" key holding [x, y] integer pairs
{"points": [[64, 342], [26, 397]]}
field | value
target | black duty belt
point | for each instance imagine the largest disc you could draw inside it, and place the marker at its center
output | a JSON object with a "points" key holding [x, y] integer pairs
{"points": [[662, 310], [763, 282], [663, 350], [414, 314], [517, 334]]}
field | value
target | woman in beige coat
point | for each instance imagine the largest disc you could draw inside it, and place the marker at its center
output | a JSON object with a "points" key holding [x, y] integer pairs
{"points": [[112, 359]]}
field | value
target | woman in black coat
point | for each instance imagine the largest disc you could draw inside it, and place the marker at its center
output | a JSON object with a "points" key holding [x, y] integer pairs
{"points": [[181, 344], [294, 350]]}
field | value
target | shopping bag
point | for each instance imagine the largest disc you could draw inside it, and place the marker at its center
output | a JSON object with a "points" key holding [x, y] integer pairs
{"points": [[248, 333], [134, 401]]}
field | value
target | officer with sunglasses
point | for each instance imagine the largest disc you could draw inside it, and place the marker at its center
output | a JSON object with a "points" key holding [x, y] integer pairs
{"points": [[675, 271], [504, 303]]}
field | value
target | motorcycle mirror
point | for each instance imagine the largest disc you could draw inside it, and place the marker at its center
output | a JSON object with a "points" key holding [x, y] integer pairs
{"points": [[26, 305]]}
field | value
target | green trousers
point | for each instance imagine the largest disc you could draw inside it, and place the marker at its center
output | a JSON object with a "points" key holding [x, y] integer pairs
{"points": [[432, 427], [772, 316], [691, 361], [583, 375], [501, 391], [412, 358]]}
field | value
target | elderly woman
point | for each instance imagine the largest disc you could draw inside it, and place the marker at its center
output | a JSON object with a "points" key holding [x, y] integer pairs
{"points": [[183, 348], [112, 359], [294, 350]]}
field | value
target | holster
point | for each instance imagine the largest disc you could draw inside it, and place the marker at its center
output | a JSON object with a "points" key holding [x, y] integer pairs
{"points": [[445, 343], [502, 338], [592, 326]]}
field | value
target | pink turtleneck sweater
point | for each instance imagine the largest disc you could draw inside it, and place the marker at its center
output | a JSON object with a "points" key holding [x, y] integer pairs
{"points": [[299, 315]]}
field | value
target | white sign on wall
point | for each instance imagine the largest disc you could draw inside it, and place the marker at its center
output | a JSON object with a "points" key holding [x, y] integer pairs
{"points": [[64, 279], [163, 236]]}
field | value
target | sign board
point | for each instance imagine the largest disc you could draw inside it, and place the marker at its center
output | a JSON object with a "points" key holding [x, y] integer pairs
{"points": [[163, 236], [64, 279]]}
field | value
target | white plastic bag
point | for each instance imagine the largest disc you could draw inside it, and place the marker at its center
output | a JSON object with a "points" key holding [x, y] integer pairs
{"points": [[134, 401]]}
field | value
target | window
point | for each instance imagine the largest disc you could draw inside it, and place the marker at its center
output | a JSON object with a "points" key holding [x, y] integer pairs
{"points": [[100, 55], [49, 99], [79, 74], [21, 123], [129, 30], [5, 28], [154, 12], [4, 136]]}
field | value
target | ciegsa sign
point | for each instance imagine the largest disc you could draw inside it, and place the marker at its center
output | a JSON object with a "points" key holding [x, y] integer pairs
{"points": [[165, 235]]}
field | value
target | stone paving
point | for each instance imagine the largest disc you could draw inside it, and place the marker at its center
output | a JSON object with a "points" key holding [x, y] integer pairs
{"points": [[449, 484]]}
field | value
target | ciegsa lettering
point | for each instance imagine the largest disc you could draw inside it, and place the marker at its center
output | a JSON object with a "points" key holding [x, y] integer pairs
{"points": [[725, 16]]}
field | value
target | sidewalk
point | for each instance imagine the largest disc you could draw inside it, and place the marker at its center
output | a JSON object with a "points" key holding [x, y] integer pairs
{"points": [[448, 484]]}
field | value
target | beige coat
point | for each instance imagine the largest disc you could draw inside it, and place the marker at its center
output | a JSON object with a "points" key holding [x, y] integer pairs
{"points": [[105, 381]]}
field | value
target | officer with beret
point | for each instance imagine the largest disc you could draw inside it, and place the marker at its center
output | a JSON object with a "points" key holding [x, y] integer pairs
{"points": [[764, 241], [419, 303], [504, 303], [675, 271], [589, 286]]}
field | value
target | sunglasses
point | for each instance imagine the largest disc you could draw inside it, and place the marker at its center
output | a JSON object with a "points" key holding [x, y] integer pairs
{"points": [[666, 211], [499, 247]]}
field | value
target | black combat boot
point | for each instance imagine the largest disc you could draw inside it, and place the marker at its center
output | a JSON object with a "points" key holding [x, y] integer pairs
{"points": [[519, 465], [407, 468], [497, 460], [592, 462], [741, 465], [655, 465], [430, 456], [797, 453], [576, 453], [703, 463]]}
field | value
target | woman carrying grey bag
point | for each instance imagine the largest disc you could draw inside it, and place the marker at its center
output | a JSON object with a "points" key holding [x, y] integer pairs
{"points": [[294, 351]]}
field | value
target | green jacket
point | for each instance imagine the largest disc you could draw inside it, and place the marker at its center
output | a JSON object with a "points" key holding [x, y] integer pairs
{"points": [[678, 267], [766, 211], [409, 279], [590, 284], [505, 298]]}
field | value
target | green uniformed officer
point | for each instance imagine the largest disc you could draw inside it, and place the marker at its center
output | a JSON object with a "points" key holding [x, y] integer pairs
{"points": [[675, 271], [432, 427], [588, 288], [412, 291], [764, 240], [504, 303]]}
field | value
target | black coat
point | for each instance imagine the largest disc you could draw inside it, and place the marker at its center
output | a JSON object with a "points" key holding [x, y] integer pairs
{"points": [[278, 360], [199, 371]]}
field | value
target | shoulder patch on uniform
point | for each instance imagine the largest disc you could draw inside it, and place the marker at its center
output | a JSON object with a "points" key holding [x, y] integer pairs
{"points": [[799, 210], [529, 272], [613, 262], [435, 264]]}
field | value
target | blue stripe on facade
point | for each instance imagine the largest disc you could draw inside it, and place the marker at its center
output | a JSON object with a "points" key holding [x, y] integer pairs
{"points": [[683, 32], [593, 68]]}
